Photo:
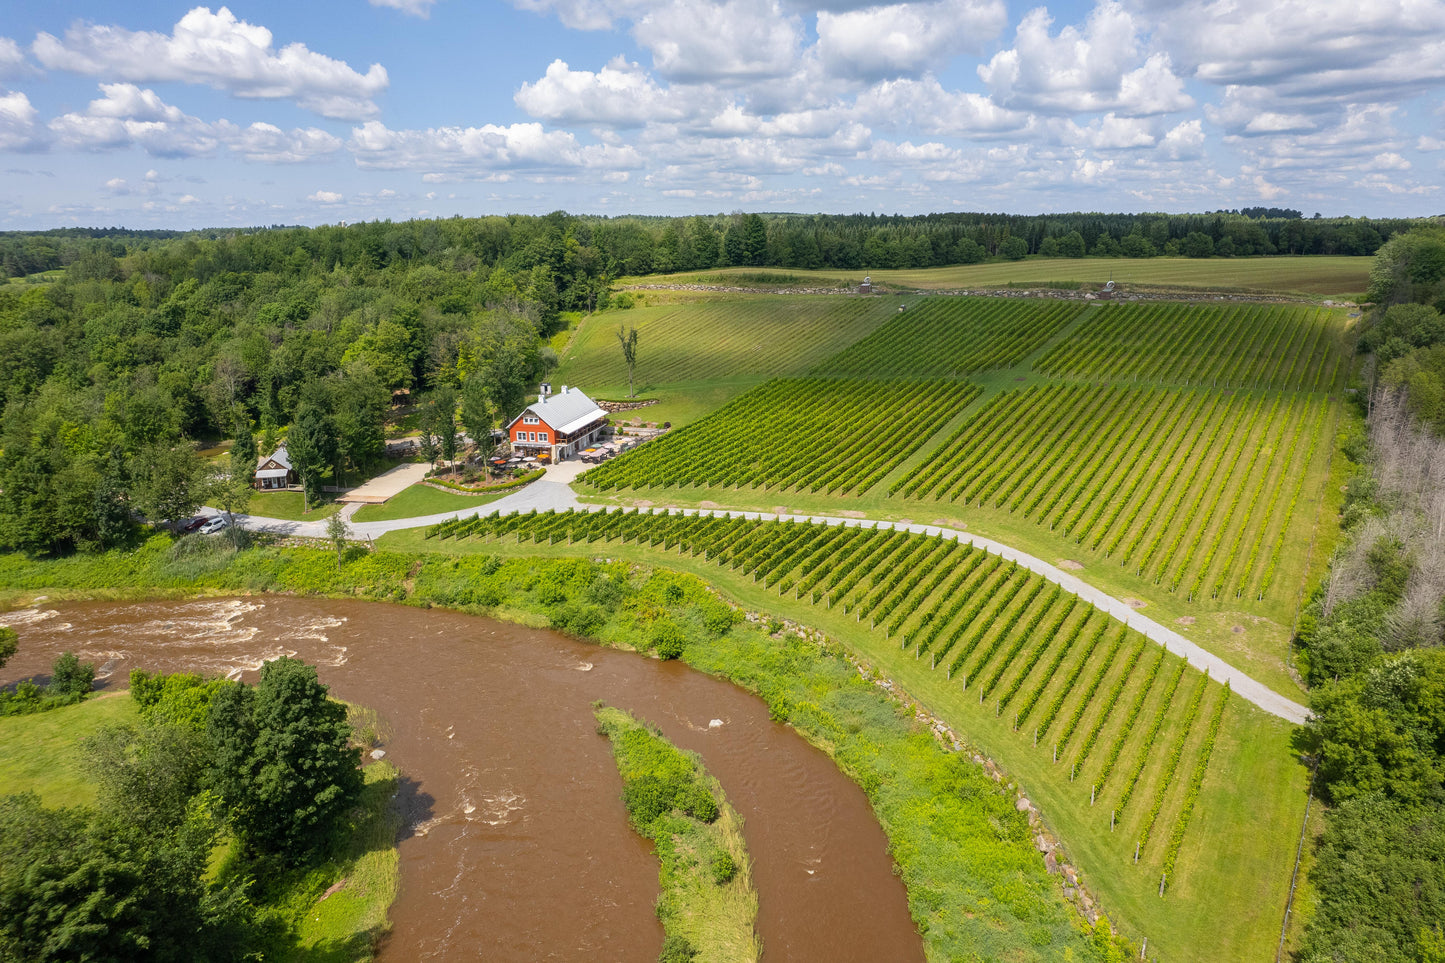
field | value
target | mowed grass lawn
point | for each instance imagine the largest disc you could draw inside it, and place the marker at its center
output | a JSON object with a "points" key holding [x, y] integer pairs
{"points": [[41, 752], [1228, 891], [419, 500], [1314, 276], [289, 506]]}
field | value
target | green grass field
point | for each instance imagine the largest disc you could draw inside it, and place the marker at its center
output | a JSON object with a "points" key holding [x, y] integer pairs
{"points": [[1314, 276], [419, 500], [289, 506], [1125, 718], [40, 753], [697, 355]]}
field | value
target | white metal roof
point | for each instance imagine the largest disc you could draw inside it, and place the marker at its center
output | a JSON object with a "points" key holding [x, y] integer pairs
{"points": [[273, 473], [565, 411], [280, 457]]}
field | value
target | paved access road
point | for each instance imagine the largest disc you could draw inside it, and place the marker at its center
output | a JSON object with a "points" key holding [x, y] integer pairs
{"points": [[553, 491]]}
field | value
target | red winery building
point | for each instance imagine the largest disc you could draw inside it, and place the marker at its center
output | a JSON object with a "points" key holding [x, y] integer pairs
{"points": [[557, 425]]}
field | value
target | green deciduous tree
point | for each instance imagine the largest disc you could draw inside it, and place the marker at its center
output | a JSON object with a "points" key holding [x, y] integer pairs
{"points": [[312, 448], [169, 482], [70, 677], [478, 414], [280, 757], [243, 453], [438, 425], [338, 532], [628, 340]]}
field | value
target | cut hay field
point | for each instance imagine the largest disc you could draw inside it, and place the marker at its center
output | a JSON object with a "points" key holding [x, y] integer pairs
{"points": [[1120, 743], [954, 336], [1313, 276], [716, 348]]}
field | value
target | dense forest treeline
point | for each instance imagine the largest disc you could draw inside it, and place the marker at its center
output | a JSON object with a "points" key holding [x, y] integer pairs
{"points": [[1373, 639], [633, 245]]}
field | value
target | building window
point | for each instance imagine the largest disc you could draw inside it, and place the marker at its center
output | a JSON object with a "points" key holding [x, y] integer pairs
{"points": [[529, 419], [541, 436]]}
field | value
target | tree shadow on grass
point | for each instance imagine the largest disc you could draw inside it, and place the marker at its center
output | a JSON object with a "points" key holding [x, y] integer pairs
{"points": [[351, 949]]}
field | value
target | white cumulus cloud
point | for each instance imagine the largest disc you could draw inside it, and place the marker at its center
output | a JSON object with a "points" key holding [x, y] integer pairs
{"points": [[905, 39], [1084, 71], [445, 152], [926, 105], [270, 144], [325, 197], [19, 130], [416, 8], [693, 40], [621, 94], [221, 51], [12, 59], [128, 115]]}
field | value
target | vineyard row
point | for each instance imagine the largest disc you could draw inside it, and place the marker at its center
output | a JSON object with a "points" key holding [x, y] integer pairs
{"points": [[1196, 490], [1049, 664], [816, 434]]}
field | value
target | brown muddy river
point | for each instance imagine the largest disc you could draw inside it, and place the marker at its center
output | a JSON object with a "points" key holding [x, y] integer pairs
{"points": [[516, 845]]}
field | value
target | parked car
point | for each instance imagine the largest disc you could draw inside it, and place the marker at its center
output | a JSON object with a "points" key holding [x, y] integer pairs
{"points": [[194, 524], [214, 525]]}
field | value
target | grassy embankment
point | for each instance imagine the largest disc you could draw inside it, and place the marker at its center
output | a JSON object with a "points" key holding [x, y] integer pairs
{"points": [[42, 753], [976, 884], [708, 905], [1313, 276], [1222, 507]]}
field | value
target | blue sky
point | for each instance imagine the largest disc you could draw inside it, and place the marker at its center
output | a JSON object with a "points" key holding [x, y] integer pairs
{"points": [[166, 115]]}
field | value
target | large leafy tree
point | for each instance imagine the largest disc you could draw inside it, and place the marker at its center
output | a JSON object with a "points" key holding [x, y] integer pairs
{"points": [[283, 766], [478, 414], [243, 453], [312, 446], [170, 482], [438, 425]]}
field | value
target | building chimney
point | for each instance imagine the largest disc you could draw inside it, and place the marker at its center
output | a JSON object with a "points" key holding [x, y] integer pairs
{"points": [[564, 389]]}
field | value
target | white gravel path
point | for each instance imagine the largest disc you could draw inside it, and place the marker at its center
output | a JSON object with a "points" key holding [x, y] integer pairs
{"points": [[553, 491]]}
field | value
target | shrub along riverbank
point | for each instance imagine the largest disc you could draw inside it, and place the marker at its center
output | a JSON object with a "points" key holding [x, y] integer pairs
{"points": [[976, 885], [114, 851], [708, 905]]}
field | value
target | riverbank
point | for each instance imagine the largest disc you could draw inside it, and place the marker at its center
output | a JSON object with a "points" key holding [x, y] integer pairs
{"points": [[708, 905], [963, 848], [333, 909]]}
